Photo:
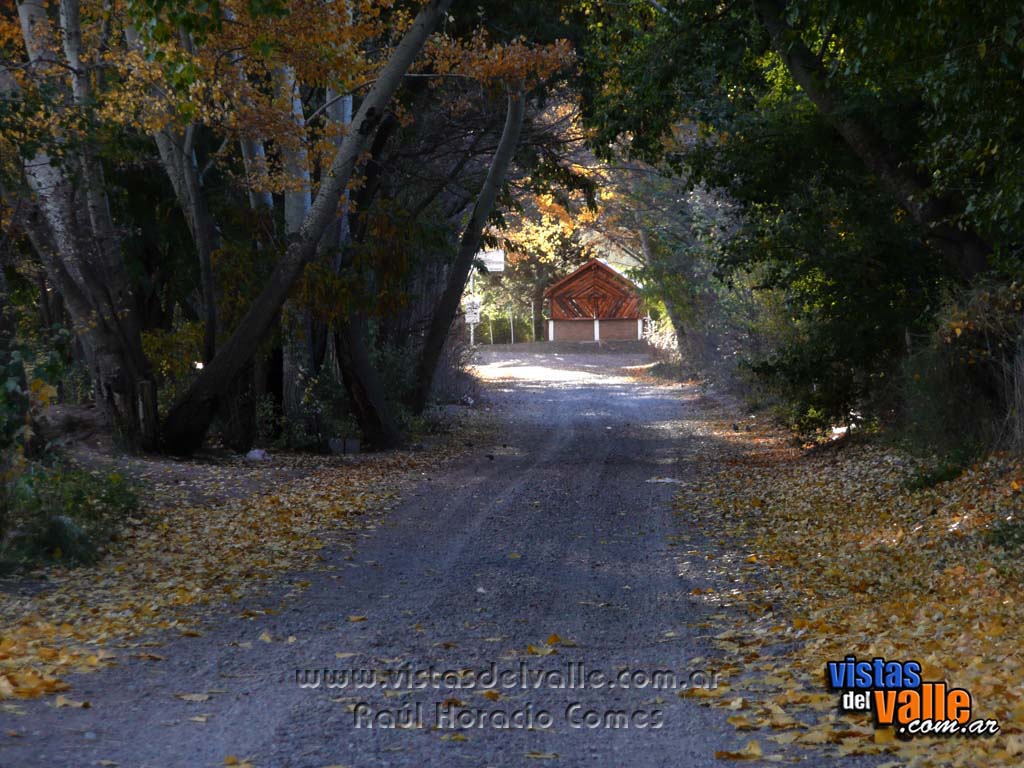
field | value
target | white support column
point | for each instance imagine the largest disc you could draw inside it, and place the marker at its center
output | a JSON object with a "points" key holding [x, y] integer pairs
{"points": [[551, 330], [639, 328], [597, 329]]}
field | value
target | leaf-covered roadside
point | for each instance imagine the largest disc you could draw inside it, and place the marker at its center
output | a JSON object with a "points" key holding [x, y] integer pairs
{"points": [[829, 552], [176, 561]]}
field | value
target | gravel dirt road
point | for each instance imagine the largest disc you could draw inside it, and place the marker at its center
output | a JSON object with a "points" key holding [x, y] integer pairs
{"points": [[558, 523]]}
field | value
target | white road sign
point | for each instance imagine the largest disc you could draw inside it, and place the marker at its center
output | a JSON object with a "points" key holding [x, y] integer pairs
{"points": [[494, 261], [472, 309]]}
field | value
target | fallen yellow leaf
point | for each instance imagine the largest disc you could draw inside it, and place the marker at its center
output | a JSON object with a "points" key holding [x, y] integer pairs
{"points": [[63, 701], [750, 752], [884, 735], [194, 697], [542, 650]]}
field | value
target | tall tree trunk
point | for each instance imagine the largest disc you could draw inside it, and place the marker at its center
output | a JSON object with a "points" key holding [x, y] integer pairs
{"points": [[296, 331], [351, 337], [539, 331], [336, 238], [240, 405], [178, 158], [77, 240], [254, 155], [448, 305], [363, 385], [254, 158], [177, 155], [188, 420], [963, 248]]}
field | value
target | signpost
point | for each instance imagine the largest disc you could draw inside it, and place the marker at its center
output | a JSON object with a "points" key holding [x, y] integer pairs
{"points": [[493, 261], [472, 310]]}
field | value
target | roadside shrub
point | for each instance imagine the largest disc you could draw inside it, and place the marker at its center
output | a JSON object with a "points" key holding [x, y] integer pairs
{"points": [[664, 343], [963, 388], [663, 338], [14, 401], [62, 513], [494, 328], [947, 468], [23, 396], [1006, 538], [452, 381], [174, 354], [394, 364], [1007, 534], [325, 413], [268, 420]]}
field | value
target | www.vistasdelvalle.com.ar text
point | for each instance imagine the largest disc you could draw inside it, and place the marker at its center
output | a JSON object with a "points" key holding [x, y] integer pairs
{"points": [[572, 675]]}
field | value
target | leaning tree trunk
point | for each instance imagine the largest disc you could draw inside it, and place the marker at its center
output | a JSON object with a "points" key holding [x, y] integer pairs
{"points": [[448, 305], [966, 251], [362, 381], [189, 419], [351, 336]]}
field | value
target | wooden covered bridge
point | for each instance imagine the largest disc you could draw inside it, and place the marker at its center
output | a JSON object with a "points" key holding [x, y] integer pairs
{"points": [[594, 303]]}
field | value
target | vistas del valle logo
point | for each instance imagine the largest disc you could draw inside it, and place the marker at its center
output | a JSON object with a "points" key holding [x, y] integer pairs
{"points": [[895, 694]]}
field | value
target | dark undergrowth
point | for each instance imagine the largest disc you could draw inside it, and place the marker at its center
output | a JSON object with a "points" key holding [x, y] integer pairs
{"points": [[61, 513]]}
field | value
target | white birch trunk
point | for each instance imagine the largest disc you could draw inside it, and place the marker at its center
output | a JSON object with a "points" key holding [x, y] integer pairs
{"points": [[295, 323], [81, 247], [339, 112], [254, 158]]}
